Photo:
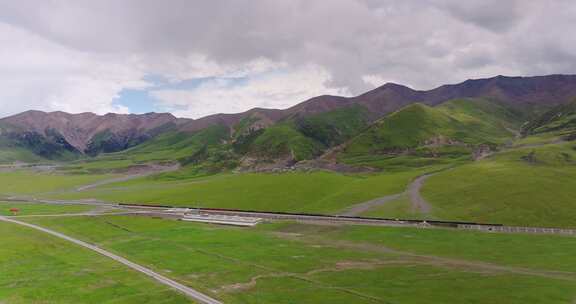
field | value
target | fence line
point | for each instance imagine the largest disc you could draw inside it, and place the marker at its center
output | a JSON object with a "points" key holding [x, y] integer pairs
{"points": [[516, 229]]}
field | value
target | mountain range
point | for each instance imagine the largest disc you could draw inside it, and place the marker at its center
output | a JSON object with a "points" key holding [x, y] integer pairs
{"points": [[390, 121]]}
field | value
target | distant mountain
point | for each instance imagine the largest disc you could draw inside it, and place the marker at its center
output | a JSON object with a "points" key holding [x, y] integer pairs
{"points": [[304, 131], [56, 133], [538, 91]]}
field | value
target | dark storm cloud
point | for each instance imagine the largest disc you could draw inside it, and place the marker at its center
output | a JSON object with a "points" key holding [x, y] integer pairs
{"points": [[495, 15]]}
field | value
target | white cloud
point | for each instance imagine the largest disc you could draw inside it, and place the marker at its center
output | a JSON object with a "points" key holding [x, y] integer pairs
{"points": [[78, 55], [277, 89], [178, 68], [39, 74]]}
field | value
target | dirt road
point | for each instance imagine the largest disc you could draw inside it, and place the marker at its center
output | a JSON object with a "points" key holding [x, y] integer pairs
{"points": [[358, 209], [419, 204], [152, 170], [191, 293]]}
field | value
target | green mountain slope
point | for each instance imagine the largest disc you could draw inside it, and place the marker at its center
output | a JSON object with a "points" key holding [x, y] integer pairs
{"points": [[453, 129], [252, 142], [334, 127], [16, 145], [10, 153], [283, 140], [559, 121]]}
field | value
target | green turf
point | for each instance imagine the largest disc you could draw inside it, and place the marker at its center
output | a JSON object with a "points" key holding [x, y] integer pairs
{"points": [[205, 257], [29, 182], [400, 208], [529, 187], [309, 192], [295, 263], [544, 252], [37, 209], [430, 284], [37, 268]]}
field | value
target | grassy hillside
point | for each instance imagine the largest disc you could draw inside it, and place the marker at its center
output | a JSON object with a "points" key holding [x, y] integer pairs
{"points": [[17, 145], [283, 140], [10, 153], [560, 121], [206, 147], [334, 127], [421, 135], [218, 148], [530, 186]]}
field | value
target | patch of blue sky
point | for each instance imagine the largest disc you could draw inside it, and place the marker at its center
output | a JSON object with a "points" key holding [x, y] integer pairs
{"points": [[141, 101], [137, 101]]}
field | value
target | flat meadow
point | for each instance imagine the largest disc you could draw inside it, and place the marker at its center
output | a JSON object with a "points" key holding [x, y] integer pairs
{"points": [[289, 262]]}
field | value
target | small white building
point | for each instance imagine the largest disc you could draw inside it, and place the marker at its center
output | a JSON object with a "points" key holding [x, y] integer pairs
{"points": [[222, 219]]}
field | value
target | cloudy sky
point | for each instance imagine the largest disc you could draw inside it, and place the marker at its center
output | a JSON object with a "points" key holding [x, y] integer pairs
{"points": [[194, 58]]}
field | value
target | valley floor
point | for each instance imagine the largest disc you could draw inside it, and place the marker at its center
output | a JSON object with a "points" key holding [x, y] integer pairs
{"points": [[287, 262], [281, 262]]}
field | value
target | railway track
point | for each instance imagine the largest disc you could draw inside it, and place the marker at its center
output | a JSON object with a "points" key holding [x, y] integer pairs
{"points": [[163, 210], [341, 219], [305, 217]]}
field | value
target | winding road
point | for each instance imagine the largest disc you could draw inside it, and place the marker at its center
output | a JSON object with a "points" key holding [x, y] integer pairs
{"points": [[358, 209], [191, 293], [419, 204], [148, 172]]}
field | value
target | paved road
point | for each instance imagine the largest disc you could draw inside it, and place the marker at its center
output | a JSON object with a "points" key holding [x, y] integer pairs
{"points": [[193, 294]]}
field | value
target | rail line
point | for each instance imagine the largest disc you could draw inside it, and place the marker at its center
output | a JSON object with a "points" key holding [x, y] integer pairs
{"points": [[342, 219], [162, 210]]}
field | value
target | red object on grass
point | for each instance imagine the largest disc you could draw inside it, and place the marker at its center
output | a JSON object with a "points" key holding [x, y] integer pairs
{"points": [[14, 210]]}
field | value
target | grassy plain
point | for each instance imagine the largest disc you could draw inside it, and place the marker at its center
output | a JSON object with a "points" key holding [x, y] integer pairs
{"points": [[37, 268], [306, 192], [400, 208], [295, 263], [29, 182], [40, 209]]}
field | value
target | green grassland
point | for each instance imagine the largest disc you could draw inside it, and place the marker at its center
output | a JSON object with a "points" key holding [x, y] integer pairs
{"points": [[29, 182], [400, 208], [530, 186], [309, 192], [37, 268], [296, 263], [41, 209]]}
